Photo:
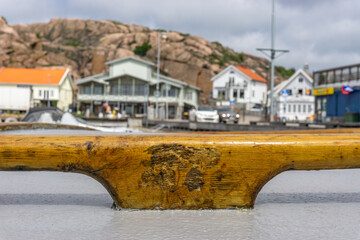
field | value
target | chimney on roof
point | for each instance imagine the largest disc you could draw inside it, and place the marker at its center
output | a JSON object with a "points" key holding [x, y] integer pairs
{"points": [[306, 67]]}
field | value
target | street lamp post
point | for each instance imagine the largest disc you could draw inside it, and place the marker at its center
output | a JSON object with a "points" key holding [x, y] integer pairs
{"points": [[160, 35], [272, 57]]}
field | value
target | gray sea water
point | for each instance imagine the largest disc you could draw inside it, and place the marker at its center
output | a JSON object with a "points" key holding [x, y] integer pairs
{"points": [[294, 205]]}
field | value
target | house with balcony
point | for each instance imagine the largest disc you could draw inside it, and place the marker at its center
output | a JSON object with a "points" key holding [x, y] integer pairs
{"points": [[22, 88], [294, 98], [239, 86], [130, 87]]}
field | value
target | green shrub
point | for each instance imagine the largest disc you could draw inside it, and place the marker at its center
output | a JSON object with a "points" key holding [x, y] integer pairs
{"points": [[184, 34], [217, 43], [71, 42], [3, 18], [285, 72], [142, 49]]}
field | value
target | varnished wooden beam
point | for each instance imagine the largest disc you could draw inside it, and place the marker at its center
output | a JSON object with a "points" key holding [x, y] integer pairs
{"points": [[186, 171]]}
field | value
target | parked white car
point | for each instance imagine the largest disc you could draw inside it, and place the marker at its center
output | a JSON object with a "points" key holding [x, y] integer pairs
{"points": [[204, 114]]}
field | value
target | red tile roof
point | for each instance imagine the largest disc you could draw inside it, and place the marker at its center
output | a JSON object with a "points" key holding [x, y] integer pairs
{"points": [[31, 76], [251, 74]]}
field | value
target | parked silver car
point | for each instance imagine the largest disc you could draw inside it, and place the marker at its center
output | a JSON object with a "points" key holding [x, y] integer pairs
{"points": [[228, 115]]}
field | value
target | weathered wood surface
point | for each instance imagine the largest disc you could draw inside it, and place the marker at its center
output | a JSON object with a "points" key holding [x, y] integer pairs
{"points": [[184, 171]]}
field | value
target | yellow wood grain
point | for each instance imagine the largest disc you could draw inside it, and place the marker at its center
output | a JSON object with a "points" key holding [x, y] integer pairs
{"points": [[186, 171]]}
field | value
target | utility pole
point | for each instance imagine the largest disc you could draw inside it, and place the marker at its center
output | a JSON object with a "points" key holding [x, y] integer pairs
{"points": [[272, 57], [157, 79], [163, 35]]}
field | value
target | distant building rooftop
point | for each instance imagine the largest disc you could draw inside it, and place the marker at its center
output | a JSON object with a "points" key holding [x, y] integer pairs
{"points": [[31, 76]]}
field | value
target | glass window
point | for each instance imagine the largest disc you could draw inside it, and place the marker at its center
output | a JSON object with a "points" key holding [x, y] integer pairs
{"points": [[345, 74], [299, 108], [86, 89], [126, 87], [301, 80], [189, 95], [330, 77], [253, 93], [231, 81], [235, 93], [289, 108], [309, 108], [241, 93], [316, 78], [139, 90], [98, 89], [114, 87], [304, 108], [322, 78], [221, 94], [40, 93], [294, 108], [338, 75], [300, 91], [289, 91], [353, 73], [172, 92]]}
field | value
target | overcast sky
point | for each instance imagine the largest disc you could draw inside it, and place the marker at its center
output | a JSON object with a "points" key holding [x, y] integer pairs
{"points": [[322, 33]]}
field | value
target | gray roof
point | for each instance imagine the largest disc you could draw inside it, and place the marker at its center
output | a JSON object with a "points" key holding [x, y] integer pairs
{"points": [[130, 58]]}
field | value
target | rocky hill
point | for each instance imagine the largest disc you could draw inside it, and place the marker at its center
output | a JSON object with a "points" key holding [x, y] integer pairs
{"points": [[85, 45]]}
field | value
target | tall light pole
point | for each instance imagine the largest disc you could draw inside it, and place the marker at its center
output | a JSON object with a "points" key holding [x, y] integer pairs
{"points": [[272, 57], [160, 35]]}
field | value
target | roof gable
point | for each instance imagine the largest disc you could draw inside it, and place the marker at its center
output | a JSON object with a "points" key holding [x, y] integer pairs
{"points": [[32, 76], [130, 58], [246, 72], [251, 74], [284, 84]]}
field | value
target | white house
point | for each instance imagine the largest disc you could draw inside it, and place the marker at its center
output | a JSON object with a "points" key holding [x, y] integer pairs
{"points": [[130, 87], [294, 99], [237, 85], [22, 88]]}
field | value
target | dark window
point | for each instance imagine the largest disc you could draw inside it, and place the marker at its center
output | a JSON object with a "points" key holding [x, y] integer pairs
{"points": [[301, 79], [241, 93], [300, 91], [221, 94], [235, 94]]}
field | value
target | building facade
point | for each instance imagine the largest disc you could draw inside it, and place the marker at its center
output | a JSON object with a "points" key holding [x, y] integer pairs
{"points": [[337, 92], [22, 88], [130, 88], [294, 99], [239, 86]]}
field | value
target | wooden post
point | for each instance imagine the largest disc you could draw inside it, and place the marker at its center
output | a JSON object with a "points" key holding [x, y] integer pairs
{"points": [[184, 171]]}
